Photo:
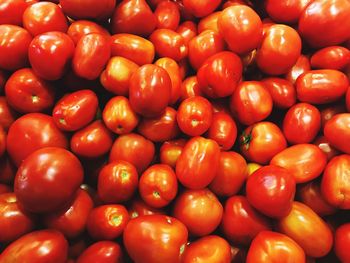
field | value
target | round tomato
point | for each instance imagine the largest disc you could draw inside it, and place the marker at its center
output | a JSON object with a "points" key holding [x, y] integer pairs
{"points": [[282, 92], [139, 208], [79, 28], [102, 251], [167, 15], [170, 152], [210, 22], [337, 132], [11, 11]]}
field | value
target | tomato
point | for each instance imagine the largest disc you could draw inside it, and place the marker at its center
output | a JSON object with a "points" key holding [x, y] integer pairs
{"points": [[285, 11], [132, 47], [201, 8], [7, 115], [304, 161], [329, 111], [14, 45], [32, 132], [347, 98], [115, 78], [282, 92], [262, 141], [164, 240], [117, 182], [38, 246], [301, 123], [342, 242], [26, 92], [75, 110], [301, 66], [203, 46], [71, 221], [190, 88], [150, 90], [8, 170], [167, 15], [50, 54], [187, 30], [198, 163], [334, 57], [325, 23], [11, 11], [270, 246], [107, 222], [251, 102], [161, 128], [139, 208], [105, 251], [208, 249], [44, 17], [241, 222], [280, 44], [305, 227], [194, 116], [210, 22], [118, 115], [337, 133], [89, 9], [241, 28], [134, 17], [79, 28], [14, 222], [326, 147], [170, 151], [134, 149], [91, 55], [92, 141]]}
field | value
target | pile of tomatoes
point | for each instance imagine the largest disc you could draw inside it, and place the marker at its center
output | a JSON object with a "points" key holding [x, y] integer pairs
{"points": [[158, 131]]}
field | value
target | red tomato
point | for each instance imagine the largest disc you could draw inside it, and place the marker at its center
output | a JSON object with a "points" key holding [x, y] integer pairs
{"points": [[11, 11], [139, 208], [134, 17], [190, 88], [44, 17], [71, 221], [14, 45], [8, 170], [337, 132], [7, 115], [329, 111], [89, 9], [187, 30], [241, 27], [251, 102], [208, 249], [32, 132], [241, 222], [79, 28], [75, 110], [170, 151], [301, 66], [305, 227], [301, 123], [282, 92], [230, 176], [164, 240], [202, 7], [342, 242], [107, 222], [198, 163], [347, 98], [262, 141], [38, 246], [150, 90], [285, 11], [118, 115], [282, 45], [91, 55], [326, 147], [117, 182], [304, 161], [134, 149], [50, 54], [48, 179], [102, 251], [167, 15], [334, 57], [325, 23], [270, 246], [26, 92], [210, 22]]}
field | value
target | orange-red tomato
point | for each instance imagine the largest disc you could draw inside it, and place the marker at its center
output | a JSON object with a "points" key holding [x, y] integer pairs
{"points": [[170, 151], [200, 8], [89, 9], [187, 30], [326, 147], [105, 251], [209, 22], [167, 15], [337, 132], [282, 92], [139, 208], [329, 111], [285, 11], [334, 57], [190, 88], [84, 27], [301, 66], [11, 12], [342, 242]]}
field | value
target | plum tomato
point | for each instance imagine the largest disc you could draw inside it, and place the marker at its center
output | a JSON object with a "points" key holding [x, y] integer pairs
{"points": [[89, 9], [102, 251], [337, 132], [333, 57]]}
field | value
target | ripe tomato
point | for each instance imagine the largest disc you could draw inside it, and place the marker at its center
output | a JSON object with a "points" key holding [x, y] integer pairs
{"points": [[139, 208], [7, 115], [102, 251], [329, 111], [337, 132], [285, 11], [80, 28], [164, 240], [89, 9], [167, 15], [342, 242], [209, 22], [334, 57], [170, 151], [326, 147], [187, 30], [305, 227], [11, 12], [198, 163], [301, 66], [200, 8], [282, 92], [190, 88]]}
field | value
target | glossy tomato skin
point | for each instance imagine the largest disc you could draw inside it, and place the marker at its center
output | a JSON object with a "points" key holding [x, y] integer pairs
{"points": [[91, 55], [79, 28], [167, 15], [150, 90], [50, 54], [241, 28], [8, 170], [251, 102], [26, 92], [164, 241], [262, 141], [278, 38], [285, 11], [209, 22], [7, 114], [304, 161], [342, 242], [187, 30], [326, 147], [139, 208], [304, 226], [208, 249], [200, 8], [198, 163], [11, 12], [190, 88], [282, 92], [105, 251], [335, 186], [14, 46], [75, 110], [270, 246], [30, 247], [301, 123], [32, 132], [328, 112], [90, 9], [337, 132], [241, 222], [319, 20], [44, 17], [301, 66], [117, 182], [334, 57], [170, 151]]}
